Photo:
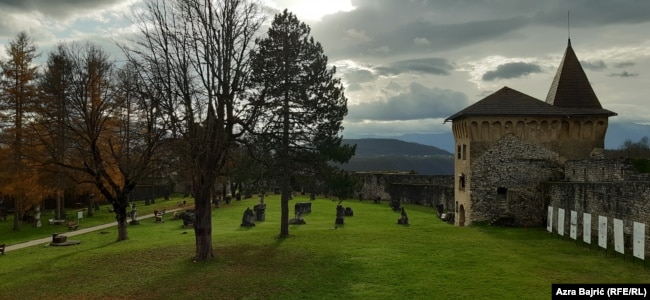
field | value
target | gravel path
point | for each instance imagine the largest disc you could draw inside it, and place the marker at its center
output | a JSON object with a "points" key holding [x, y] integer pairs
{"points": [[47, 240]]}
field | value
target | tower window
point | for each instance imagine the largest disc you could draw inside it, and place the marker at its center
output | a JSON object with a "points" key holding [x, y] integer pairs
{"points": [[461, 181], [464, 152], [458, 151]]}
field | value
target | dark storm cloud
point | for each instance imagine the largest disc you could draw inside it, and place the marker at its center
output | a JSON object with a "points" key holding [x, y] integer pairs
{"points": [[594, 65], [407, 27], [512, 70], [417, 102], [418, 27], [624, 74], [433, 66], [450, 35], [55, 8], [592, 13], [415, 36]]}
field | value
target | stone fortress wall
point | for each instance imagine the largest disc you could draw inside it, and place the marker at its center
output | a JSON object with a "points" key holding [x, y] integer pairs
{"points": [[531, 181], [408, 188], [602, 187]]}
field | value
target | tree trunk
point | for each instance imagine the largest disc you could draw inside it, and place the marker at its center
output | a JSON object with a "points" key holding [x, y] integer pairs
{"points": [[203, 222], [91, 206], [59, 207], [17, 214], [122, 233], [120, 215], [285, 197]]}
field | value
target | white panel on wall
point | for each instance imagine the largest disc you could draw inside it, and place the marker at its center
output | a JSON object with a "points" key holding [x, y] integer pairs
{"points": [[639, 240], [560, 221], [586, 228], [573, 230], [618, 236], [549, 222], [602, 232]]}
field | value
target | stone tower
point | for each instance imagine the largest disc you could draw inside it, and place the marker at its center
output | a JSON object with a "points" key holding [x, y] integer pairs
{"points": [[508, 143]]}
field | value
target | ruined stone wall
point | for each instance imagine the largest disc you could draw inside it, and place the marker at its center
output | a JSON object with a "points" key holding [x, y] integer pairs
{"points": [[506, 181], [409, 188], [628, 201], [424, 194], [602, 187], [603, 169]]}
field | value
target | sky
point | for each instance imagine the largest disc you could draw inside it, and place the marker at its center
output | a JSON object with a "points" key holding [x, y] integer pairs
{"points": [[409, 64]]}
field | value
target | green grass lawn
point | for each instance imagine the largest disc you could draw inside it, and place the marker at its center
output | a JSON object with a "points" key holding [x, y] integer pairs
{"points": [[370, 257]]}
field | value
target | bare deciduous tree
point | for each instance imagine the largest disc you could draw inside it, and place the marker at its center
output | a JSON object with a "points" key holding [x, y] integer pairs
{"points": [[196, 54], [111, 126], [53, 85]]}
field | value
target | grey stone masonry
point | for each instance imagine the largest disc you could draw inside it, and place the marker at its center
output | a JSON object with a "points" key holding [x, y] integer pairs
{"points": [[409, 188], [506, 181], [603, 187], [600, 170]]}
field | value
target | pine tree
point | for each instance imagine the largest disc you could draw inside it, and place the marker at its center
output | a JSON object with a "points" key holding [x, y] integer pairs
{"points": [[303, 104]]}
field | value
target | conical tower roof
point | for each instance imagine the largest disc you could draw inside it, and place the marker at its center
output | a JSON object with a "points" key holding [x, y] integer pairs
{"points": [[570, 87], [570, 95]]}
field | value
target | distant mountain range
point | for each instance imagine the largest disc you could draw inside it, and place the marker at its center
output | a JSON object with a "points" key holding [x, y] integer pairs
{"points": [[432, 154], [394, 155], [617, 134], [393, 147], [442, 141]]}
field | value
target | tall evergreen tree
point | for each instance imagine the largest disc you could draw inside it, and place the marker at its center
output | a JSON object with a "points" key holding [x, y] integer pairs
{"points": [[303, 102]]}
